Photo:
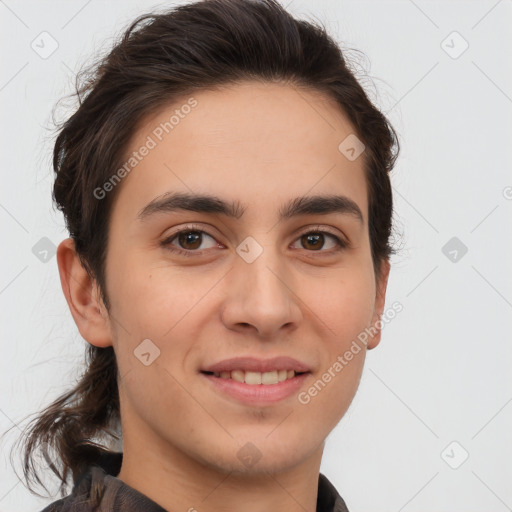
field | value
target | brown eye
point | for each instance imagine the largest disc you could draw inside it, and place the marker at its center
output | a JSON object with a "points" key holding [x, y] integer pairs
{"points": [[188, 241], [315, 241], [312, 240]]}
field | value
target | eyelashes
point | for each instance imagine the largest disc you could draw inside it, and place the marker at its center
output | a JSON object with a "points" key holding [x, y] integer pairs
{"points": [[311, 235], [182, 252]]}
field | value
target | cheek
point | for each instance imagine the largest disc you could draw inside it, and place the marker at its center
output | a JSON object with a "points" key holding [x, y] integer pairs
{"points": [[155, 397], [344, 308], [151, 301], [325, 401], [160, 307], [344, 305]]}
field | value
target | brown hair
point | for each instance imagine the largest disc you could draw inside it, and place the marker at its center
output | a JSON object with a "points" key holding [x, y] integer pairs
{"points": [[161, 57]]}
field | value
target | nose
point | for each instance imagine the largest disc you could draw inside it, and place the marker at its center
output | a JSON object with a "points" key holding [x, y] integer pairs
{"points": [[260, 297]]}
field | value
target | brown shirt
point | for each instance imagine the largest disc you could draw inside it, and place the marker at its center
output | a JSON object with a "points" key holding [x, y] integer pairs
{"points": [[98, 490]]}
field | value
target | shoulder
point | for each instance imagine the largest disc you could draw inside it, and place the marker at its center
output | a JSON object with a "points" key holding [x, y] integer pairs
{"points": [[329, 499], [62, 505], [86, 495]]}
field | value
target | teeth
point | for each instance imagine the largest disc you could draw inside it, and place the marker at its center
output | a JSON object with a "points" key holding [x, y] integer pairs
{"points": [[252, 377], [237, 375], [255, 378], [269, 378]]}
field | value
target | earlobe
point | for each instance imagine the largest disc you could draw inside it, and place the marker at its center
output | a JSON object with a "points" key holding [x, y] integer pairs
{"points": [[83, 297], [380, 299]]}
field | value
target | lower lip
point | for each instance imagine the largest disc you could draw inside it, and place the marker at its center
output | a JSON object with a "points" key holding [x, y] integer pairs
{"points": [[259, 393]]}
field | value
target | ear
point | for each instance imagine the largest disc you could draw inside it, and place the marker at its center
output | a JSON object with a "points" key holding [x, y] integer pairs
{"points": [[83, 296], [380, 299]]}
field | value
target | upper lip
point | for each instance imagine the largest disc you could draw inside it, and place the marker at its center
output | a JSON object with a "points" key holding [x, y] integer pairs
{"points": [[253, 364]]}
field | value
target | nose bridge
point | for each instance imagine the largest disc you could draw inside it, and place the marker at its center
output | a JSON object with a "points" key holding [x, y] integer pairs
{"points": [[258, 292], [265, 278]]}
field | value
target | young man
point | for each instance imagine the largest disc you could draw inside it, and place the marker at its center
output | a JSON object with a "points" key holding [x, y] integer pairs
{"points": [[228, 253]]}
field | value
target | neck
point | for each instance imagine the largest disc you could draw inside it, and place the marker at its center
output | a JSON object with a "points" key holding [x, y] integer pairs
{"points": [[178, 481]]}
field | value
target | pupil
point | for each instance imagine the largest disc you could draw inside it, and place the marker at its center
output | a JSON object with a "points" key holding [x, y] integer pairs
{"points": [[315, 237], [190, 237]]}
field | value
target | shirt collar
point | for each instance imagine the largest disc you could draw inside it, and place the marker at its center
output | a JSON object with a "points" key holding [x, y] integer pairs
{"points": [[99, 485]]}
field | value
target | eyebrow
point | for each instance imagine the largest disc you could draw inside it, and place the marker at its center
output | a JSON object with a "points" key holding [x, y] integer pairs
{"points": [[204, 203]]}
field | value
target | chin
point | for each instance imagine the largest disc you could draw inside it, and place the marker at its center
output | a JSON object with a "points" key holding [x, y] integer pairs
{"points": [[263, 467], [262, 454]]}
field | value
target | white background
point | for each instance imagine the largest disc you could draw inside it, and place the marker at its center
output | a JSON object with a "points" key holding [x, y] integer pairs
{"points": [[442, 372]]}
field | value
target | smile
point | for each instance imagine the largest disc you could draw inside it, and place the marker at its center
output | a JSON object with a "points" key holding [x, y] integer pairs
{"points": [[262, 388], [256, 378]]}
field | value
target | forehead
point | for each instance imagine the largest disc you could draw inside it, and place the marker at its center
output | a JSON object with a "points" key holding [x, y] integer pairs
{"points": [[257, 143]]}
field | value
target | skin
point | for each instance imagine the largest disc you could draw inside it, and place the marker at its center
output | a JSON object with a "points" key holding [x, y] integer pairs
{"points": [[261, 144]]}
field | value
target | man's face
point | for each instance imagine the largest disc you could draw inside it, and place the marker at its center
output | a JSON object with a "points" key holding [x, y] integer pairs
{"points": [[253, 285]]}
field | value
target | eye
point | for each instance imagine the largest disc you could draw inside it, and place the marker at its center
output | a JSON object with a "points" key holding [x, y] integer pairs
{"points": [[314, 239], [189, 240]]}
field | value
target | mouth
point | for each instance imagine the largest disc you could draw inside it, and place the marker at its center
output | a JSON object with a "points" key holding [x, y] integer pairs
{"points": [[254, 381], [261, 389], [253, 378]]}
